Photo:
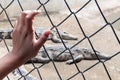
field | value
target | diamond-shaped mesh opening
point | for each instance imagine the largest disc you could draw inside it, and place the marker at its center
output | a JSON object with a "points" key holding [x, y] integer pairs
{"points": [[95, 23], [94, 75]]}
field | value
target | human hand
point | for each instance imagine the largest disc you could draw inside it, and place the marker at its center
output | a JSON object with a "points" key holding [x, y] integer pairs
{"points": [[25, 45]]}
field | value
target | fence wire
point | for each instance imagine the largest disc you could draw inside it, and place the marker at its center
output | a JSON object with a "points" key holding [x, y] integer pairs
{"points": [[79, 72]]}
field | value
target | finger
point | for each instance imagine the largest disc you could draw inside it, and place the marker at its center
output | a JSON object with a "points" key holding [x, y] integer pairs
{"points": [[43, 39], [29, 18], [21, 21]]}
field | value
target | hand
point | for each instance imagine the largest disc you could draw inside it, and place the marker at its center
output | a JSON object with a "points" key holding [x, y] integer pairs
{"points": [[25, 45]]}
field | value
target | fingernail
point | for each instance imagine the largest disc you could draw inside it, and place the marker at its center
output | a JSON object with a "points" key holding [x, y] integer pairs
{"points": [[38, 11], [47, 32]]}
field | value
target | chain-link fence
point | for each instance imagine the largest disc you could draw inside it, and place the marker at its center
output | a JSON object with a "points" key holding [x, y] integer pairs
{"points": [[95, 23]]}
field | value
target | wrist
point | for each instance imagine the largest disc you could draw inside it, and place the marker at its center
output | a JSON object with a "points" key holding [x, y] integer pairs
{"points": [[19, 56], [8, 63]]}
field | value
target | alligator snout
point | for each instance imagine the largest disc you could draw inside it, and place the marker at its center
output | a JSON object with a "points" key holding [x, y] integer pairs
{"points": [[67, 36]]}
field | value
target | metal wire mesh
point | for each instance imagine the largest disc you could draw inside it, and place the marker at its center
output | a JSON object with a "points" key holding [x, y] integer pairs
{"points": [[79, 72]]}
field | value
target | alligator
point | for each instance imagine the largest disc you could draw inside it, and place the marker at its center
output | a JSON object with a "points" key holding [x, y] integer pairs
{"points": [[60, 54], [6, 33], [70, 55]]}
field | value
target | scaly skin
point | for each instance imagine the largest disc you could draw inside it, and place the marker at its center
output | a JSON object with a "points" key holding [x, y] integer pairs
{"points": [[6, 33], [55, 54], [77, 53]]}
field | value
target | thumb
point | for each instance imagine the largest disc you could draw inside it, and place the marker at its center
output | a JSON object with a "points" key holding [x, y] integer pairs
{"points": [[43, 38]]}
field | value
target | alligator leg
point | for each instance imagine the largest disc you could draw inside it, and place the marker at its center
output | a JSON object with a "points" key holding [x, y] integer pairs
{"points": [[76, 59]]}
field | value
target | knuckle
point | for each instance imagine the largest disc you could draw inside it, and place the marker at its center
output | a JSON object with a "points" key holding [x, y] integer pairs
{"points": [[28, 18], [23, 13]]}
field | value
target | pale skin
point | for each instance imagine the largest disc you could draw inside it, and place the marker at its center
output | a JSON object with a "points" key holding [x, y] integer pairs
{"points": [[25, 45]]}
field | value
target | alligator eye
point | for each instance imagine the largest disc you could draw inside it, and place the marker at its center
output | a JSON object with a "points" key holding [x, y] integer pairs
{"points": [[65, 32]]}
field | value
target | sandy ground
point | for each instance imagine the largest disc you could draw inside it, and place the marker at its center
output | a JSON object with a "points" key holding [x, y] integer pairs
{"points": [[104, 41]]}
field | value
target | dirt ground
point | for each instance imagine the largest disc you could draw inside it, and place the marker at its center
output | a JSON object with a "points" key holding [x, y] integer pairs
{"points": [[104, 41]]}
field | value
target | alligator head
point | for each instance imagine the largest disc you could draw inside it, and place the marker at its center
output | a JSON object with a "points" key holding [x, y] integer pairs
{"points": [[68, 36], [64, 35]]}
